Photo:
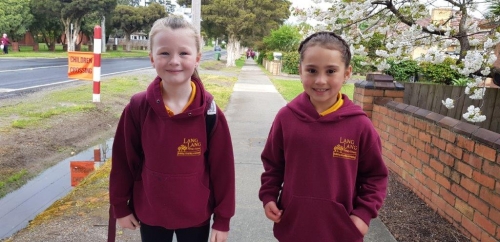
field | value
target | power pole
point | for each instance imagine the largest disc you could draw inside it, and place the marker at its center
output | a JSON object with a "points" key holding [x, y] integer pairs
{"points": [[103, 28], [196, 14]]}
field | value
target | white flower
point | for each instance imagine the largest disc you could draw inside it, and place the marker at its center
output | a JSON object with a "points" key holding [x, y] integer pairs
{"points": [[449, 103], [478, 93], [381, 53], [431, 27], [488, 44], [486, 71], [474, 42], [491, 59], [383, 65], [473, 114]]}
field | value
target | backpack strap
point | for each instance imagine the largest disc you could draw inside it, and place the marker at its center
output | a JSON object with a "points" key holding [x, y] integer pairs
{"points": [[211, 119], [111, 225]]}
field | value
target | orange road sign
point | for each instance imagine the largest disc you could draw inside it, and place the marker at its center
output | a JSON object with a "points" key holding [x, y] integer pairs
{"points": [[80, 170], [81, 65]]}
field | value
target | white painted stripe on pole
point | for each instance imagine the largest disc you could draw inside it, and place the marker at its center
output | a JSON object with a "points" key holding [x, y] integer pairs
{"points": [[97, 73], [97, 46], [96, 98]]}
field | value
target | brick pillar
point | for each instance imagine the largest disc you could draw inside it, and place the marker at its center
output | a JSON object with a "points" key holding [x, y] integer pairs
{"points": [[376, 86]]}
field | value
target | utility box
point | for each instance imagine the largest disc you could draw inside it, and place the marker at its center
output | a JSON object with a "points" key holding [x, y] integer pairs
{"points": [[277, 56]]}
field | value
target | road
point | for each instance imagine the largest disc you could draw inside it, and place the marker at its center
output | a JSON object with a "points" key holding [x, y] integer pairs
{"points": [[18, 74]]}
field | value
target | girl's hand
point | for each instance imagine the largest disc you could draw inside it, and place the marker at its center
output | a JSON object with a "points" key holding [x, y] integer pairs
{"points": [[360, 224], [272, 212], [218, 236], [128, 222]]}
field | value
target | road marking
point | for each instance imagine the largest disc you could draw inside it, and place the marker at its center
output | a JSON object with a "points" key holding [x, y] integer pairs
{"points": [[4, 90], [26, 88], [30, 69]]}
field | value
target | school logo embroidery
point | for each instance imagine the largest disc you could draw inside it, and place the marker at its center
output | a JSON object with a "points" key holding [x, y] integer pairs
{"points": [[189, 147], [346, 149]]}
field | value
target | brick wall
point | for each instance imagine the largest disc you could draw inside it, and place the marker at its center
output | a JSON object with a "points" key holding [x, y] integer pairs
{"points": [[365, 93], [451, 165]]}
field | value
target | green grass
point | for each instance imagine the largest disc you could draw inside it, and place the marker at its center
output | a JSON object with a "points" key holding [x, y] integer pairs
{"points": [[15, 179], [240, 62], [72, 100], [221, 87], [43, 52], [289, 89]]}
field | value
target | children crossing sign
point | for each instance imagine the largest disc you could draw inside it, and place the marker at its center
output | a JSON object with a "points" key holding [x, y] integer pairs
{"points": [[81, 65]]}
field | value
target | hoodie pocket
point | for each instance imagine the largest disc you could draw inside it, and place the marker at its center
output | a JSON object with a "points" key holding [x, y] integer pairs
{"points": [[315, 219], [180, 197]]}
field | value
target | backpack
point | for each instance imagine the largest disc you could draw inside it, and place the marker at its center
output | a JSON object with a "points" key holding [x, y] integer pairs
{"points": [[137, 104]]}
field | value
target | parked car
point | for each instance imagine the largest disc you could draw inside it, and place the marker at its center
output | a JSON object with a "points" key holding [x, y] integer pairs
{"points": [[217, 48]]}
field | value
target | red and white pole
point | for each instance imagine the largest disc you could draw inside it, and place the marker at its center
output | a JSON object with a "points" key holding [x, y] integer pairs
{"points": [[97, 64]]}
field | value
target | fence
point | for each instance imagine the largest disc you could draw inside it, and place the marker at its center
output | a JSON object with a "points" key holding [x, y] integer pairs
{"points": [[452, 165], [429, 97], [272, 66]]}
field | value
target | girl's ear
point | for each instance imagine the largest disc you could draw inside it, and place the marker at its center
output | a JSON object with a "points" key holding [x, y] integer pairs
{"points": [[300, 69], [198, 58], [348, 73], [151, 59]]}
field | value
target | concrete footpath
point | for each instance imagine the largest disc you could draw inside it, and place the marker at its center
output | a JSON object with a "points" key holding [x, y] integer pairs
{"points": [[250, 113]]}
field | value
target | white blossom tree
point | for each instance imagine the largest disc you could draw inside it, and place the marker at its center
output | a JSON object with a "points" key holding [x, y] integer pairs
{"points": [[407, 25]]}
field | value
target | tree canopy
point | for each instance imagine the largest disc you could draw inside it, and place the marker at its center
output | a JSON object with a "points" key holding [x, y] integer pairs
{"points": [[15, 18], [286, 38], [132, 19], [242, 20], [71, 13]]}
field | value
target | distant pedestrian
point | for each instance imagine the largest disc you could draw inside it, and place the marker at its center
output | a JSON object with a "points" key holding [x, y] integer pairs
{"points": [[5, 43], [162, 179], [324, 177]]}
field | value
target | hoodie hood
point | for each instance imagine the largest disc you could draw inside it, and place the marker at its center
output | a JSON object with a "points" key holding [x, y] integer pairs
{"points": [[200, 104], [304, 110]]}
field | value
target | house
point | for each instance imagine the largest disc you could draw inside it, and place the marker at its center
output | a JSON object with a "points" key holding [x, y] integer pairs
{"points": [[440, 16]]}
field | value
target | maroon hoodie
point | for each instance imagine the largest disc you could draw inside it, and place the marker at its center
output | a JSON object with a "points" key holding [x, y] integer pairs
{"points": [[319, 170], [176, 187]]}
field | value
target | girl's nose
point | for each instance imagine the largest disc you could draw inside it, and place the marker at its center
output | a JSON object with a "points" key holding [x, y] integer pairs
{"points": [[174, 60], [321, 79]]}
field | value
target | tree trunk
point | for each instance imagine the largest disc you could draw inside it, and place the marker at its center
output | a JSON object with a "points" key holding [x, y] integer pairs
{"points": [[15, 46], [127, 42], [231, 51], [52, 46], [73, 34], [237, 54]]}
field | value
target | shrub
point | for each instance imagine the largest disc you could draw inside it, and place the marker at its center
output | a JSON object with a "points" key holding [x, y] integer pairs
{"points": [[403, 70], [462, 82], [261, 56], [361, 69], [439, 73], [290, 62]]}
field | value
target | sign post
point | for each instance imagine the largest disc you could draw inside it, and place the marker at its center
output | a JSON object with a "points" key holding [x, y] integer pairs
{"points": [[97, 64], [87, 66]]}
